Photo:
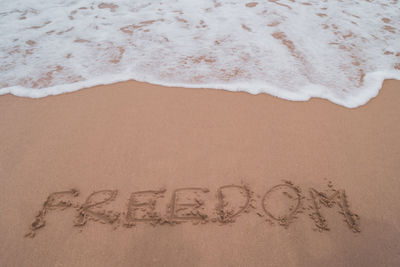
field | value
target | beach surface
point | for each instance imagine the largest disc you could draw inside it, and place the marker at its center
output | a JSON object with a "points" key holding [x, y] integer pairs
{"points": [[135, 136]]}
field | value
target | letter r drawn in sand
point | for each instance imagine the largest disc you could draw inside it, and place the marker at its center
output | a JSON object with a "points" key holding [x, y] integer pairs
{"points": [[96, 200]]}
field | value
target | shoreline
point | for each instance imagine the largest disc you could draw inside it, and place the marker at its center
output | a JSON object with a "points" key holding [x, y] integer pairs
{"points": [[134, 136], [358, 101]]}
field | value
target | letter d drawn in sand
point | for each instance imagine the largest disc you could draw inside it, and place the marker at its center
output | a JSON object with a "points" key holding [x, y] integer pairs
{"points": [[226, 211]]}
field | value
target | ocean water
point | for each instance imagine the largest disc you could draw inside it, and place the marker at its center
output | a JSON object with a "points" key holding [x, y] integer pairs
{"points": [[340, 50]]}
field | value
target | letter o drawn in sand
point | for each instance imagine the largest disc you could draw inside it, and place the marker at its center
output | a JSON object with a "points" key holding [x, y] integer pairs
{"points": [[281, 203]]}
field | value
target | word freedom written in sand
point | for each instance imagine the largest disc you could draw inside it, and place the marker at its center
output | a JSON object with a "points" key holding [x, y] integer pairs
{"points": [[281, 204]]}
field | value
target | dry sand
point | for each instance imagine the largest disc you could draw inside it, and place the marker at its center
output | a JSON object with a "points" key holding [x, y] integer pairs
{"points": [[132, 137]]}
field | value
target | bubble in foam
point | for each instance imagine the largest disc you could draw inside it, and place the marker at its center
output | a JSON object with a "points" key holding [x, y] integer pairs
{"points": [[294, 49]]}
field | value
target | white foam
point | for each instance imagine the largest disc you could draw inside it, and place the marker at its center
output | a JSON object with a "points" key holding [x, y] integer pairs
{"points": [[338, 50]]}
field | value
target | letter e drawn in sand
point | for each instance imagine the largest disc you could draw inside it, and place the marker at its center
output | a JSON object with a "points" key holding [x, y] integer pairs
{"points": [[188, 211], [56, 200], [91, 208], [146, 207], [282, 202], [226, 210], [337, 197]]}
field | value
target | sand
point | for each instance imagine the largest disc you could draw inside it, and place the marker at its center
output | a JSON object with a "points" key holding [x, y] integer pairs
{"points": [[133, 174]]}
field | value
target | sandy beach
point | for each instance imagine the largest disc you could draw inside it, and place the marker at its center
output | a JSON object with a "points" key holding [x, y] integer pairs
{"points": [[133, 136]]}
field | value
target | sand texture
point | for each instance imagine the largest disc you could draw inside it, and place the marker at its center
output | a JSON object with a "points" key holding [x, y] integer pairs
{"points": [[134, 174]]}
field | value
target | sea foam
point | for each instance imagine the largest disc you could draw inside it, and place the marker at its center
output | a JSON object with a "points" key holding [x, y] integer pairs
{"points": [[337, 50]]}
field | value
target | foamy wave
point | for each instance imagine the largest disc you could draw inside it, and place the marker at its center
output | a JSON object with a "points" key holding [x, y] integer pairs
{"points": [[338, 50]]}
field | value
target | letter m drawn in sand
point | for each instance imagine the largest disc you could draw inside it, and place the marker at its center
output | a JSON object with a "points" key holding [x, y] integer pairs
{"points": [[337, 197]]}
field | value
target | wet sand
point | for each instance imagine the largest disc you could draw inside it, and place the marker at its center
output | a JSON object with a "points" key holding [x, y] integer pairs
{"points": [[283, 157]]}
